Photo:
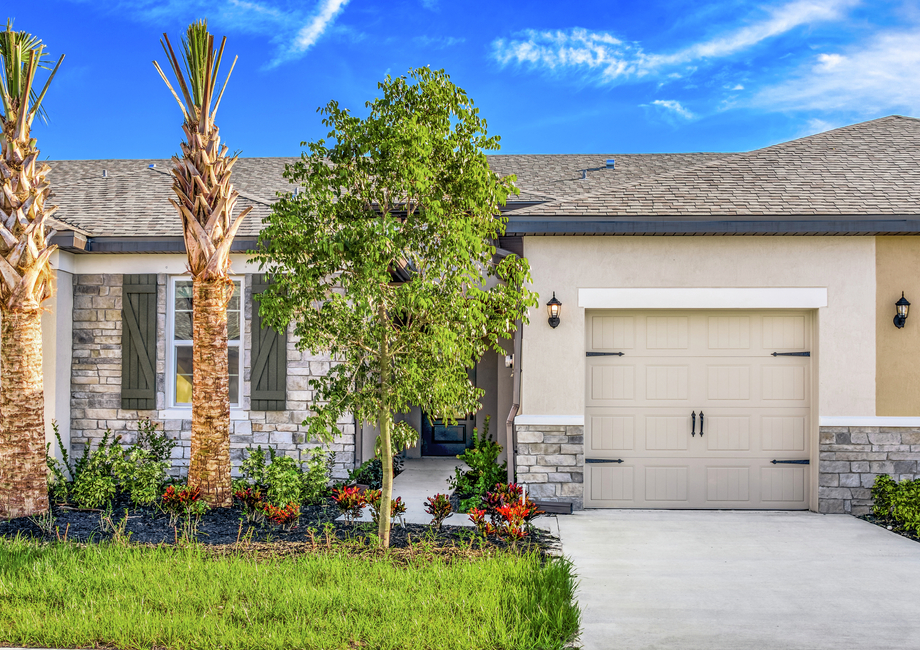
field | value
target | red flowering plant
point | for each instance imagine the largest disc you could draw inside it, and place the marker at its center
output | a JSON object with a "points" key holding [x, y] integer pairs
{"points": [[509, 511], [350, 501], [397, 506], [185, 502], [251, 500], [286, 517], [439, 508]]}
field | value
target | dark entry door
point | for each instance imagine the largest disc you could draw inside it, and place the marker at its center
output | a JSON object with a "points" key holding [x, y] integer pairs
{"points": [[442, 439]]}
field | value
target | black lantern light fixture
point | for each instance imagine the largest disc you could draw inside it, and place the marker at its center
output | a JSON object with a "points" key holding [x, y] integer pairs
{"points": [[554, 308], [903, 308]]}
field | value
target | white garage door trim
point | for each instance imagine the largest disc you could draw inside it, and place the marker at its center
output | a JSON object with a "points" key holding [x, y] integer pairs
{"points": [[708, 298]]}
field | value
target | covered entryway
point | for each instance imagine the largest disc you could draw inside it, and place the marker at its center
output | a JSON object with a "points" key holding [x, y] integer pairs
{"points": [[698, 409]]}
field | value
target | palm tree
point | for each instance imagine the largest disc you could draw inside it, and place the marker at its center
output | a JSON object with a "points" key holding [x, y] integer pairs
{"points": [[25, 277], [205, 200]]}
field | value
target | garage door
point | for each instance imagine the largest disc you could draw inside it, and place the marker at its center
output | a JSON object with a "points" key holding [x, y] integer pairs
{"points": [[697, 409]]}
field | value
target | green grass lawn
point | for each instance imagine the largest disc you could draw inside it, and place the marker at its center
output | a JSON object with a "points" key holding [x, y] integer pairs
{"points": [[64, 595]]}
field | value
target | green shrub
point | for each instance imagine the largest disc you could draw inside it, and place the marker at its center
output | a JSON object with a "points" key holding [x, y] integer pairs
{"points": [[98, 475], [370, 473], [484, 472], [897, 502], [282, 479]]}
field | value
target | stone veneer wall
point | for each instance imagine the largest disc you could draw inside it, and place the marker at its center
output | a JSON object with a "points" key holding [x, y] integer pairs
{"points": [[96, 384], [550, 462], [851, 458]]}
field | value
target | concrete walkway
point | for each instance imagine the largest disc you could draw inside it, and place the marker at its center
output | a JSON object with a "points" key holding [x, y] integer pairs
{"points": [[735, 580], [420, 479]]}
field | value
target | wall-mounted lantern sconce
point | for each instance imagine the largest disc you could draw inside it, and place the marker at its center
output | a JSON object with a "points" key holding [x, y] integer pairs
{"points": [[903, 308], [554, 308]]}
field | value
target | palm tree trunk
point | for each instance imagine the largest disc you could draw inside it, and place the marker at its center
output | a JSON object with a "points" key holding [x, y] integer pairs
{"points": [[23, 472], [210, 463]]}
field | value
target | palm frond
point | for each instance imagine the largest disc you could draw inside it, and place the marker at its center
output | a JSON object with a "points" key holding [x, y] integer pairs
{"points": [[17, 50]]}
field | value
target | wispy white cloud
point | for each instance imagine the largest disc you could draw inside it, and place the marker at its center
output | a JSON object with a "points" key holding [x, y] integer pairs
{"points": [[291, 26], [607, 58], [673, 106], [867, 77], [438, 42]]}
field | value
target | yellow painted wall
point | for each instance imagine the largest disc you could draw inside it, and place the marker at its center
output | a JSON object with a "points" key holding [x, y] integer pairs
{"points": [[897, 269]]}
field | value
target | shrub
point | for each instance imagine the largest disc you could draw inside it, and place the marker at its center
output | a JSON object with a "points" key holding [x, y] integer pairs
{"points": [[282, 480], [439, 508], [370, 473], [397, 506], [484, 470], [251, 500], [897, 502], [509, 512], [350, 501], [286, 517], [186, 503], [98, 475]]}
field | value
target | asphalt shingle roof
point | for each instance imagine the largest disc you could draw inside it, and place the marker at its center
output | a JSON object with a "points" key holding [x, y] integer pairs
{"points": [[864, 169]]}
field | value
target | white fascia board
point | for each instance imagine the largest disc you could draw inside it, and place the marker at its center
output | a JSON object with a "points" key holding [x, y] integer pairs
{"points": [[867, 421], [550, 420], [704, 298], [169, 263]]}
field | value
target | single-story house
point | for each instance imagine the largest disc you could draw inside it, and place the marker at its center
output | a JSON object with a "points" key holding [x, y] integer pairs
{"points": [[725, 340]]}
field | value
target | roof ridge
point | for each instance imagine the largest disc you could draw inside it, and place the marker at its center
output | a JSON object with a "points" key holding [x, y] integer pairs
{"points": [[87, 178]]}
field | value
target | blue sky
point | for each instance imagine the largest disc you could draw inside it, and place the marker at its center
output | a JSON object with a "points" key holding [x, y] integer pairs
{"points": [[550, 77]]}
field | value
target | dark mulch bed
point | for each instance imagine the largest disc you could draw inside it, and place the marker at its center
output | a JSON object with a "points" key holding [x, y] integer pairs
{"points": [[890, 525], [228, 526]]}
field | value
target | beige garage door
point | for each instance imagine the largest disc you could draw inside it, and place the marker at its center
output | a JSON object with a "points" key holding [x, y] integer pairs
{"points": [[697, 409]]}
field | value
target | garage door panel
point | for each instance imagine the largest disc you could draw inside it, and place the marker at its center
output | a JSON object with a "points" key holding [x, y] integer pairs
{"points": [[728, 433], [667, 383], [667, 332], [719, 363], [666, 483], [611, 432], [729, 332], [725, 484], [613, 332]]}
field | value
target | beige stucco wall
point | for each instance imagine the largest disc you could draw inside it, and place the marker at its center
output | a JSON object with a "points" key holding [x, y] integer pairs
{"points": [[554, 360], [898, 375]]}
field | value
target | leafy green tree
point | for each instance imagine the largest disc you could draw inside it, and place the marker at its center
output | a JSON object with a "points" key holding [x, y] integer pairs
{"points": [[386, 258]]}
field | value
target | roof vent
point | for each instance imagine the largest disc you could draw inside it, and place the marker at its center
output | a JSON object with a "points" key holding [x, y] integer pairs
{"points": [[105, 173], [611, 163], [584, 174], [151, 166]]}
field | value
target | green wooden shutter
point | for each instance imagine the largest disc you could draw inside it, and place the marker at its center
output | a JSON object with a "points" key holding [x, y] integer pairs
{"points": [[139, 342], [269, 358]]}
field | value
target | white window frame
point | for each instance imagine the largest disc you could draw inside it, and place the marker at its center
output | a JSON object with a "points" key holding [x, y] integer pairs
{"points": [[171, 344]]}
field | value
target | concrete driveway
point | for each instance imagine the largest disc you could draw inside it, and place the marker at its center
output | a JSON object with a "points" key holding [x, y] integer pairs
{"points": [[734, 580]]}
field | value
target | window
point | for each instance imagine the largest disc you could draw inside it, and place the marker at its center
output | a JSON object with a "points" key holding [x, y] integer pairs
{"points": [[179, 352]]}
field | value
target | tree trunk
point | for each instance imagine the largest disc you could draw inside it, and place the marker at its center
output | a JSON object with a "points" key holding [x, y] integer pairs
{"points": [[209, 468], [23, 472], [385, 422]]}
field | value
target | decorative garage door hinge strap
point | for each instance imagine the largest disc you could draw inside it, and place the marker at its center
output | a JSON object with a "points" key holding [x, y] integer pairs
{"points": [[791, 462], [791, 354], [603, 460], [603, 354]]}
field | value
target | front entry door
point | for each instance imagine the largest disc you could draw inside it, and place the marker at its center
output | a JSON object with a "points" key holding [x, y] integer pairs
{"points": [[442, 439]]}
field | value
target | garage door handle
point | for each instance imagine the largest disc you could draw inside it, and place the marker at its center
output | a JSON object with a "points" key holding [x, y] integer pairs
{"points": [[791, 354], [603, 354], [791, 462], [693, 426], [603, 460], [701, 424]]}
